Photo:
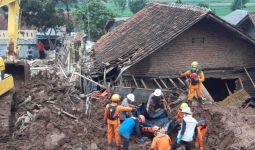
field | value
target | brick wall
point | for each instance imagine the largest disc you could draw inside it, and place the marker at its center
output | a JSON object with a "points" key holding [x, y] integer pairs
{"points": [[209, 43]]}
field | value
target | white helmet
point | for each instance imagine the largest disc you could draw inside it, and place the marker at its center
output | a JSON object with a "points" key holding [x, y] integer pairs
{"points": [[186, 110], [131, 97], [157, 92]]}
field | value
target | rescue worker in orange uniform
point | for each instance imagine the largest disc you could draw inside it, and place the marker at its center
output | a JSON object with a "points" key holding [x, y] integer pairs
{"points": [[111, 117], [196, 77], [202, 130], [161, 141]]}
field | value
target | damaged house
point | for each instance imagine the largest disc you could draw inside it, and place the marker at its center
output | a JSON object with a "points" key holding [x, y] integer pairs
{"points": [[244, 20], [150, 49]]}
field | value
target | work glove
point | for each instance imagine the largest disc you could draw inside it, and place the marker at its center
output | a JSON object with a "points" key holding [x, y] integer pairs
{"points": [[179, 138], [141, 141]]}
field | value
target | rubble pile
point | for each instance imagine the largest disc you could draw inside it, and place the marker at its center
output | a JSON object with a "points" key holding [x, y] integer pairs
{"points": [[49, 114]]}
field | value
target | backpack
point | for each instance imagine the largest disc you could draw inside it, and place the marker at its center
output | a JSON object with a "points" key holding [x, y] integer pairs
{"points": [[194, 81], [111, 112]]}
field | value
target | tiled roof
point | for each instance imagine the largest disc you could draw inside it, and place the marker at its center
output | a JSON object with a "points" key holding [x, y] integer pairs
{"points": [[146, 31]]}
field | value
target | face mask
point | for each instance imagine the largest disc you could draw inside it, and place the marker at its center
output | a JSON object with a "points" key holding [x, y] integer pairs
{"points": [[193, 69]]}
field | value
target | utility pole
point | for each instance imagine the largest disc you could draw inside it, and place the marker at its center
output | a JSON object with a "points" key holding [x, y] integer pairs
{"points": [[241, 4], [88, 22]]}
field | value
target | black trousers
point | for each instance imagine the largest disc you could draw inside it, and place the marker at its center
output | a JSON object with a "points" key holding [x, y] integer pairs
{"points": [[125, 143], [41, 54], [188, 145]]}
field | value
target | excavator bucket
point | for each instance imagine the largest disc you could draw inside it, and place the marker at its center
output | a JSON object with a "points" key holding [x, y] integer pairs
{"points": [[19, 70]]}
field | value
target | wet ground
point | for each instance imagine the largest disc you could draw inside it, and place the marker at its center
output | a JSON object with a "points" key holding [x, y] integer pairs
{"points": [[39, 123]]}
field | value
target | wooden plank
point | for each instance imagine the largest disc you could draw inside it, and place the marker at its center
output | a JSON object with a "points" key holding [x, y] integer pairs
{"points": [[181, 82], [102, 86], [172, 82], [207, 95], [144, 85], [157, 83], [163, 83], [229, 92], [247, 73], [135, 81], [241, 83], [236, 98]]}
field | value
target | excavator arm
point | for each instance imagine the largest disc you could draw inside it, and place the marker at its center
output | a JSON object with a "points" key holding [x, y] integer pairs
{"points": [[13, 27]]}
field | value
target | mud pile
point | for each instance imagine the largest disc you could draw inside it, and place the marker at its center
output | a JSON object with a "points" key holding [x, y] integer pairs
{"points": [[230, 127]]}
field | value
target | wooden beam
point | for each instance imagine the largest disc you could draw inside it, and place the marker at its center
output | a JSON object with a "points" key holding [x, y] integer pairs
{"points": [[229, 92], [207, 95], [163, 83], [241, 83], [172, 82], [181, 82], [102, 86], [135, 81], [247, 73], [155, 80], [144, 85]]}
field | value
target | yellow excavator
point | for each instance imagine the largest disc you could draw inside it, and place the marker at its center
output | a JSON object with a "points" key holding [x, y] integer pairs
{"points": [[12, 66]]}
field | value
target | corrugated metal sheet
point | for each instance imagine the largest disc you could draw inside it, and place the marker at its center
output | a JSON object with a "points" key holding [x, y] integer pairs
{"points": [[236, 16]]}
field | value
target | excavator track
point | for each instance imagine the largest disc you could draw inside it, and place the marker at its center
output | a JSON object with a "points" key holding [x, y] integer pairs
{"points": [[5, 114]]}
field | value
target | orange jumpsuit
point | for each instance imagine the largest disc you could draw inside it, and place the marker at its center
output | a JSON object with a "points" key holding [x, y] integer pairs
{"points": [[201, 133], [161, 142], [195, 90], [113, 125], [148, 130]]}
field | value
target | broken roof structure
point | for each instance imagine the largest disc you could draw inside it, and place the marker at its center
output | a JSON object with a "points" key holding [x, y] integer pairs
{"points": [[161, 40], [244, 20]]}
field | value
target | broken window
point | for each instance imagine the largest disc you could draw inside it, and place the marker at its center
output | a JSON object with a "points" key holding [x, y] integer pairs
{"points": [[220, 88]]}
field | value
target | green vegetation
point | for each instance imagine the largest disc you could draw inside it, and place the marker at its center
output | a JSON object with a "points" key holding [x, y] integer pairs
{"points": [[136, 5], [92, 16], [220, 7]]}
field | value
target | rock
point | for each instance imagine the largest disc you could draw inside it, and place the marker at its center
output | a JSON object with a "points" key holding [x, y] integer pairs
{"points": [[93, 146], [55, 140], [43, 114]]}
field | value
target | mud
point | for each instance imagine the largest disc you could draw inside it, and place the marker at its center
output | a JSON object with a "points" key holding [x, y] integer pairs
{"points": [[37, 124], [230, 127], [50, 129]]}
